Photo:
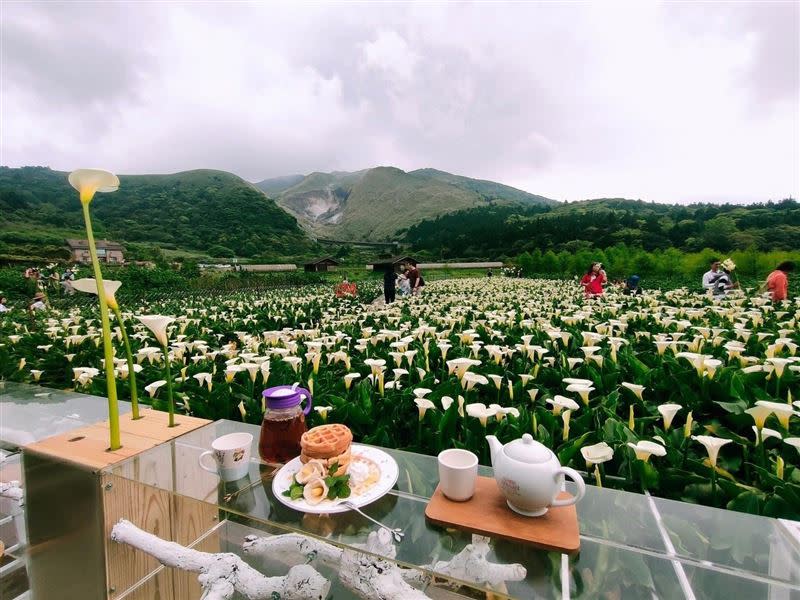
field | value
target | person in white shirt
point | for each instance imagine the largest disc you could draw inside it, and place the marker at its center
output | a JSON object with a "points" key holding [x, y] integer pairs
{"points": [[715, 279], [3, 307], [38, 303], [403, 285]]}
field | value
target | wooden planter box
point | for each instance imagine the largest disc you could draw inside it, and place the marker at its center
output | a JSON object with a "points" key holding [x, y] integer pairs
{"points": [[71, 506]]}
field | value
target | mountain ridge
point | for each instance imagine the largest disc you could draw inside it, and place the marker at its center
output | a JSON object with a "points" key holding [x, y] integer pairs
{"points": [[210, 213], [357, 205]]}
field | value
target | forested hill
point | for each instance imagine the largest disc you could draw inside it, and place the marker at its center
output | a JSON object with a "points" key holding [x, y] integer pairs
{"points": [[211, 212], [493, 231]]}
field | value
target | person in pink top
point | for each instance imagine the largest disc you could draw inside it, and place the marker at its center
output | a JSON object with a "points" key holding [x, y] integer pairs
{"points": [[593, 281], [777, 283]]}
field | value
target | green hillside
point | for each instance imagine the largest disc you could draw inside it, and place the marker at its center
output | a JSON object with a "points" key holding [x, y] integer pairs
{"points": [[488, 190], [204, 212], [378, 204], [490, 232]]}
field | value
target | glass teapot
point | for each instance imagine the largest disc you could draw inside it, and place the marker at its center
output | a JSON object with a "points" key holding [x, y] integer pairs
{"points": [[284, 422]]}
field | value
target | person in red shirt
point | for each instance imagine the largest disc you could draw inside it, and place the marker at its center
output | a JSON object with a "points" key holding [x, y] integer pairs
{"points": [[415, 279], [346, 289], [593, 281], [777, 283]]}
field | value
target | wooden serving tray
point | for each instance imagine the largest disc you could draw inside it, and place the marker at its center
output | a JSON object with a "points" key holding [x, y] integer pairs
{"points": [[487, 513]]}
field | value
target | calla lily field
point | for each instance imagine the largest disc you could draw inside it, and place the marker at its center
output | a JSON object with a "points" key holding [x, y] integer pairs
{"points": [[676, 393]]}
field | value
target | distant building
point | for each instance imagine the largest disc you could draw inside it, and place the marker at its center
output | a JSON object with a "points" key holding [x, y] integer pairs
{"points": [[322, 264], [391, 263], [107, 251]]}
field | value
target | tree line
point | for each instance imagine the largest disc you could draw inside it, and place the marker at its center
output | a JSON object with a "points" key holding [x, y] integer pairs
{"points": [[507, 231]]}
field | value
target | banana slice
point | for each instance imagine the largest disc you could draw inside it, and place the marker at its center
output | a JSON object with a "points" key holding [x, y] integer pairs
{"points": [[315, 491], [311, 470]]}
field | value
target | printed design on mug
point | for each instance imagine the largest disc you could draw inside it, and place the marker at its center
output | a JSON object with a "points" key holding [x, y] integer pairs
{"points": [[220, 454], [238, 455]]}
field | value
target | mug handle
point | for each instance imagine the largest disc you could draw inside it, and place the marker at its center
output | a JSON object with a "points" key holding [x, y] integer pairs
{"points": [[572, 474], [204, 465]]}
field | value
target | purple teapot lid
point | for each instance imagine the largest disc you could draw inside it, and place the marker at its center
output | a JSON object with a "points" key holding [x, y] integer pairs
{"points": [[286, 396]]}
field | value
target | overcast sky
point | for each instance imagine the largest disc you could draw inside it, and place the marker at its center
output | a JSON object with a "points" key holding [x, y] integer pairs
{"points": [[672, 102]]}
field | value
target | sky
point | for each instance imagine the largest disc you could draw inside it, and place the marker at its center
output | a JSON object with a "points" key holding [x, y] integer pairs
{"points": [[669, 102]]}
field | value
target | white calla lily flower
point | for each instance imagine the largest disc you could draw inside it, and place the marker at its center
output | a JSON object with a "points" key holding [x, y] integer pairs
{"points": [[157, 324], [645, 449]]}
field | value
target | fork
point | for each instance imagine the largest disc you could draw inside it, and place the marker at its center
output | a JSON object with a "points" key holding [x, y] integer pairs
{"points": [[397, 534]]}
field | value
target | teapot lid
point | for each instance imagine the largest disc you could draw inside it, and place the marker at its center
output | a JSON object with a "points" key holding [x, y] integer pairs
{"points": [[285, 396], [527, 450]]}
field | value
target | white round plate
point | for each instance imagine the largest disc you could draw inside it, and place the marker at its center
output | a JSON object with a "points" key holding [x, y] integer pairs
{"points": [[388, 477]]}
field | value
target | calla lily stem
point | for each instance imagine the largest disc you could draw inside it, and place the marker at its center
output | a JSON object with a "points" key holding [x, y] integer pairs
{"points": [[131, 371], [111, 384], [714, 485], [170, 397]]}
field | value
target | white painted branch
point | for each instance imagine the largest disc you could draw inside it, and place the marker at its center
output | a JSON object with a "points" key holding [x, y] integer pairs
{"points": [[293, 548], [372, 577], [11, 489], [471, 565], [369, 576], [222, 575]]}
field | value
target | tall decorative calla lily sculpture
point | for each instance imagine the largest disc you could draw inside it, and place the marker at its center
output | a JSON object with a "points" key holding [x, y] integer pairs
{"points": [[90, 286], [88, 182]]}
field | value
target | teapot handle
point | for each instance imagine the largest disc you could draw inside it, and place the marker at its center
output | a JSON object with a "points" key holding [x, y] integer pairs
{"points": [[572, 474], [307, 395]]}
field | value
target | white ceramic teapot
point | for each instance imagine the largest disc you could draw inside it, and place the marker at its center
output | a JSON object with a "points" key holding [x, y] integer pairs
{"points": [[530, 476]]}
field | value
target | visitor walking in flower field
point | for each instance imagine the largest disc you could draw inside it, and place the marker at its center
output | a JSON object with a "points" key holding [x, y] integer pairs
{"points": [[3, 307], [403, 285], [346, 289], [388, 284], [631, 287], [54, 280], [38, 303], [415, 279], [66, 281], [33, 276], [777, 283], [717, 281], [594, 280]]}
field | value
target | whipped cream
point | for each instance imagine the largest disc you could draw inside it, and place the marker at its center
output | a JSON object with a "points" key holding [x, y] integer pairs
{"points": [[358, 472]]}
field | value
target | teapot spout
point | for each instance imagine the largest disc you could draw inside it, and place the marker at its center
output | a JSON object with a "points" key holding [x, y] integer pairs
{"points": [[495, 448]]}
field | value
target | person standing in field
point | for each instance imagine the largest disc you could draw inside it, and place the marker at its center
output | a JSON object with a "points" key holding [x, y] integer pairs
{"points": [[403, 284], [594, 280], [38, 303], [389, 288], [414, 279], [777, 283], [346, 289], [631, 287], [714, 278]]}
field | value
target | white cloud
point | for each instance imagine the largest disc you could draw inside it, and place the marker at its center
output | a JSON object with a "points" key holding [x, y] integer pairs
{"points": [[664, 102], [390, 53]]}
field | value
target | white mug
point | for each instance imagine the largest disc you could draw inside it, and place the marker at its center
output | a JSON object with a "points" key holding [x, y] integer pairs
{"points": [[231, 454], [458, 471]]}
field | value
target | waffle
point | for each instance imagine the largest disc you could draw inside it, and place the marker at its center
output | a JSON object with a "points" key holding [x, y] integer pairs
{"points": [[343, 460], [326, 441]]}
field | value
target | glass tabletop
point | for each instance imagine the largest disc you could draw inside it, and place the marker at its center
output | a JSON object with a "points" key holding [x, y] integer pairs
{"points": [[29, 413], [632, 545]]}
